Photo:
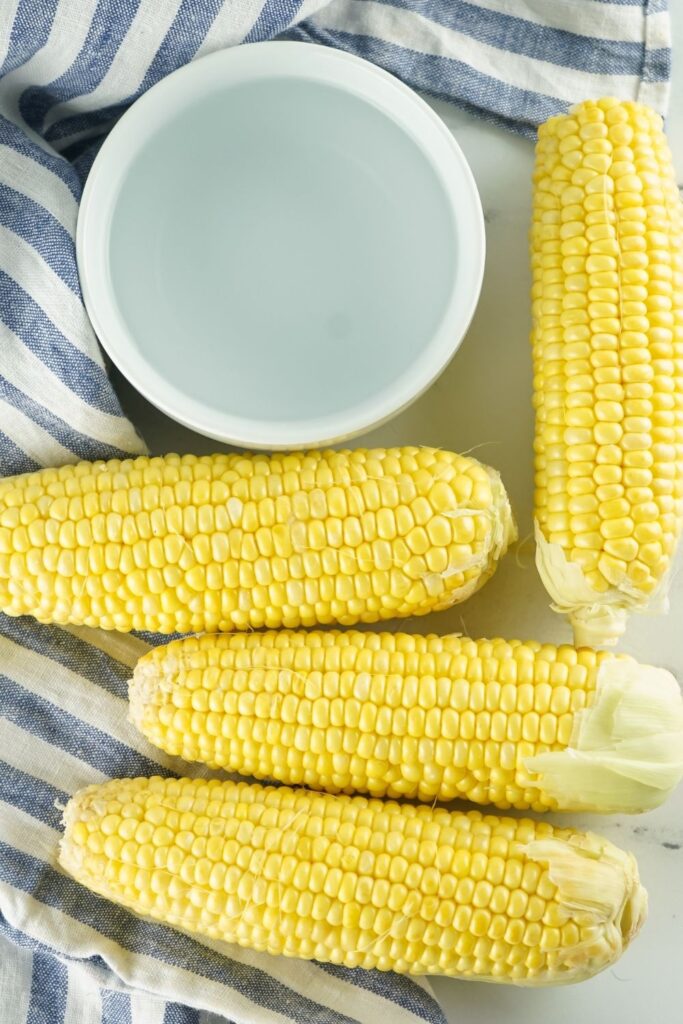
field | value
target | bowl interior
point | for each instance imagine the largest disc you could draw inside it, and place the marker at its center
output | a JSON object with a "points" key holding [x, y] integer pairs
{"points": [[282, 250], [280, 245]]}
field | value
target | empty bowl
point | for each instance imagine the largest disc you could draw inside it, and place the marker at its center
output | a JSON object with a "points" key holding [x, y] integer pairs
{"points": [[280, 245]]}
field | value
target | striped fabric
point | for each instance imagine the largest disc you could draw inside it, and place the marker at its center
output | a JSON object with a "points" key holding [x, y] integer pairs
{"points": [[68, 69], [64, 725]]}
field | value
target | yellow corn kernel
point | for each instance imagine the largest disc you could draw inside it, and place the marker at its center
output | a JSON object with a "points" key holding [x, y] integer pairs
{"points": [[567, 911], [426, 717], [350, 536], [603, 381]]}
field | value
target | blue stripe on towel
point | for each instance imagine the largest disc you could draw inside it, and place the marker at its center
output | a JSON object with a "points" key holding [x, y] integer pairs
{"points": [[88, 121], [652, 6], [106, 32], [179, 45], [512, 34], [71, 438], [71, 652], [12, 459], [191, 23], [11, 135], [36, 225], [31, 795], [28, 321], [116, 1007], [445, 76], [49, 983], [275, 17], [54, 725], [403, 991], [175, 1014]]}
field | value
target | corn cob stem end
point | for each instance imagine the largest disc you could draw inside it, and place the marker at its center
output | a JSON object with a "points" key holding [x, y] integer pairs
{"points": [[598, 619]]}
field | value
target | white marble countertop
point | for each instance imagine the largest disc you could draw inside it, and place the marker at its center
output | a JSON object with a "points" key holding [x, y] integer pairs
{"points": [[483, 400]]}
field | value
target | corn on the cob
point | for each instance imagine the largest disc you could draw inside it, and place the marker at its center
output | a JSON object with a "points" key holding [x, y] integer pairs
{"points": [[182, 544], [607, 263], [496, 722], [358, 882]]}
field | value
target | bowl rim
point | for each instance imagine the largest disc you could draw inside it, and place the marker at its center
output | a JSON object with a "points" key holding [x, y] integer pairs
{"points": [[233, 66]]}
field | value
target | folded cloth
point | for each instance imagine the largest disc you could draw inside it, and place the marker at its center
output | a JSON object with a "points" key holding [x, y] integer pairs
{"points": [[68, 69]]}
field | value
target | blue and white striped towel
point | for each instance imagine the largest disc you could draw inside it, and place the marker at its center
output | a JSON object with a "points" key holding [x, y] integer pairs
{"points": [[68, 69]]}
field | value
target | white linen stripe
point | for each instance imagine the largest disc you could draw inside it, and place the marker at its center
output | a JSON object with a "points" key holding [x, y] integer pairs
{"points": [[146, 1009], [314, 983], [618, 23], [657, 35], [150, 24], [8, 9], [31, 438], [65, 41], [658, 30], [83, 1000], [76, 940], [26, 371], [37, 758], [66, 311], [38, 183], [16, 967], [210, 1018], [28, 835], [310, 7], [121, 647], [374, 1007], [231, 25], [415, 31]]}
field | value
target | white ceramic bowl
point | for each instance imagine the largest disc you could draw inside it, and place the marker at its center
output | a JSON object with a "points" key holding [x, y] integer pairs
{"points": [[280, 245]]}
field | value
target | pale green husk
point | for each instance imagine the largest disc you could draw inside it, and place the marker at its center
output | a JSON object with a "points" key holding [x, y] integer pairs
{"points": [[626, 750], [598, 619], [594, 880]]}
